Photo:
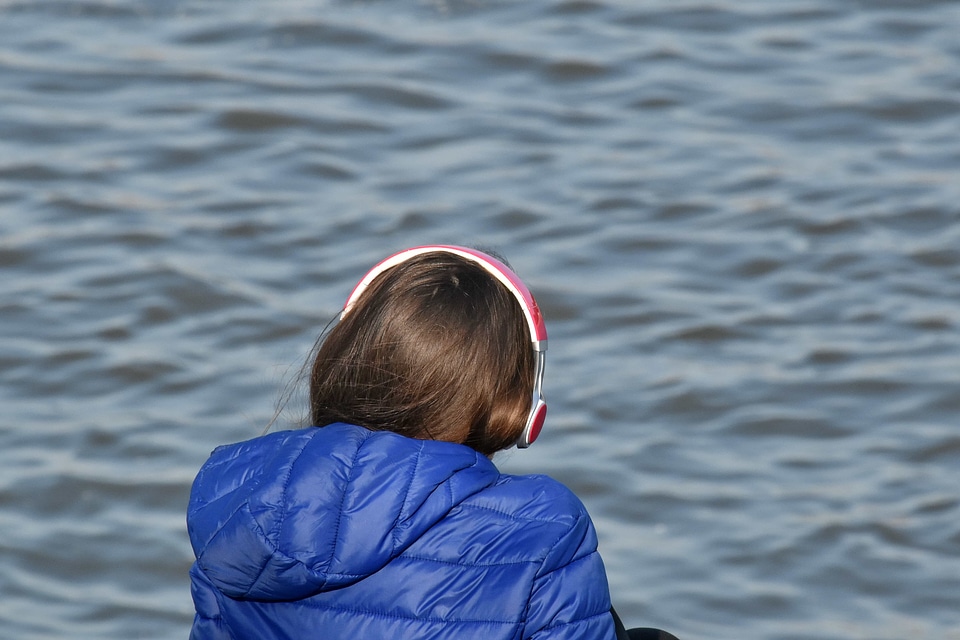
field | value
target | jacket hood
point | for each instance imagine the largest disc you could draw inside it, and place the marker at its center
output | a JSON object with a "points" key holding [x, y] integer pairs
{"points": [[294, 513]]}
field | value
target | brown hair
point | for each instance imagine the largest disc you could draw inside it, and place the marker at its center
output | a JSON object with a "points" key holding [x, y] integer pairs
{"points": [[436, 348]]}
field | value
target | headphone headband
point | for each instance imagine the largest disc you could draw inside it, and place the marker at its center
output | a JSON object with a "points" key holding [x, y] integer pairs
{"points": [[503, 273], [500, 271]]}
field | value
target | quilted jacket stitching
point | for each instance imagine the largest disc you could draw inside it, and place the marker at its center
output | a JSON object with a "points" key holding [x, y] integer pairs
{"points": [[286, 485], [343, 498], [406, 497]]}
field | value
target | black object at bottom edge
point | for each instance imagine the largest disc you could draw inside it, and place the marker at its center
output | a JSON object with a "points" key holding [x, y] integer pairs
{"points": [[639, 633]]}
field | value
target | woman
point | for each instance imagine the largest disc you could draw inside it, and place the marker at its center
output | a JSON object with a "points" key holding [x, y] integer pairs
{"points": [[387, 519]]}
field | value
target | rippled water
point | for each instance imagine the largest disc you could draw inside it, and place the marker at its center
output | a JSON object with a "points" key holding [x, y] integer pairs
{"points": [[740, 218]]}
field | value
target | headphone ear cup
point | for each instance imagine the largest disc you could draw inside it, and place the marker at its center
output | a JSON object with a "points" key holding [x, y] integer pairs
{"points": [[534, 425]]}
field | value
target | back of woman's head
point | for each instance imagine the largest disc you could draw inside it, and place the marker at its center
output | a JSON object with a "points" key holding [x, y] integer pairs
{"points": [[434, 348]]}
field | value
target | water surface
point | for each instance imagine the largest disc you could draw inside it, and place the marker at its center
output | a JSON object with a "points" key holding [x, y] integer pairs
{"points": [[740, 219]]}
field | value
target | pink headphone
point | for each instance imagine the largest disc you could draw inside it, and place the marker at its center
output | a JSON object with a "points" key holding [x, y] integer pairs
{"points": [[500, 271]]}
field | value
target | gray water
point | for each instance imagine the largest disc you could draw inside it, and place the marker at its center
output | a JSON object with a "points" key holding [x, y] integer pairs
{"points": [[740, 217]]}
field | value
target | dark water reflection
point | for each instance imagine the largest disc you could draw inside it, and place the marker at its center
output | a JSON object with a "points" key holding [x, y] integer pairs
{"points": [[740, 219]]}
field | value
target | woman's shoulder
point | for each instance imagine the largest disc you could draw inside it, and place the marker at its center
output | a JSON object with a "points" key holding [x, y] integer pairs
{"points": [[532, 497], [527, 518]]}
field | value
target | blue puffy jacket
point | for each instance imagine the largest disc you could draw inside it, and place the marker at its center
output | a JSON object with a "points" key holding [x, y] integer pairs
{"points": [[340, 532]]}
